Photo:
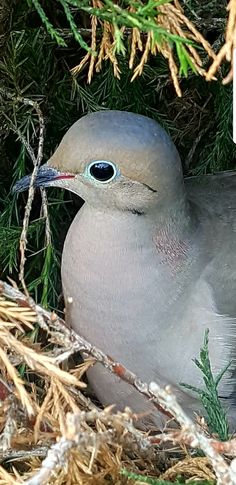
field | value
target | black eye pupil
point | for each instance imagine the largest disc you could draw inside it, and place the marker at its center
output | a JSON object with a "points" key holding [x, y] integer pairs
{"points": [[102, 171]]}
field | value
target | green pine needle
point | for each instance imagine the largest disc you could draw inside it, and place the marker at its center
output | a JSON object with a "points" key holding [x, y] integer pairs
{"points": [[216, 416], [51, 30], [156, 481]]}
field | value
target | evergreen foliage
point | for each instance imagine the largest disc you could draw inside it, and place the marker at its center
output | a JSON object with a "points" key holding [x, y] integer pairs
{"points": [[46, 40], [36, 64], [208, 395], [156, 481]]}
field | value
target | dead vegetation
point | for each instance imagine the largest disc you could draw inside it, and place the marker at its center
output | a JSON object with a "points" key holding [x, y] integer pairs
{"points": [[171, 18], [226, 51], [51, 432]]}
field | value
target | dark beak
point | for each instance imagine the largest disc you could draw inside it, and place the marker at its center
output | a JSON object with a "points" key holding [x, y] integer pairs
{"points": [[46, 177]]}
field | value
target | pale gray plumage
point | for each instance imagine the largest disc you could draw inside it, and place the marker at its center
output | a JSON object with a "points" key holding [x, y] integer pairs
{"points": [[149, 262]]}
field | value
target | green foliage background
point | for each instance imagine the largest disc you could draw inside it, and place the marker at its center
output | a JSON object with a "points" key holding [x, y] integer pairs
{"points": [[33, 65]]}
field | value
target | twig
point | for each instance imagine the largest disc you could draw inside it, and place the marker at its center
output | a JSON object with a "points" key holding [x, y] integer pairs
{"points": [[18, 455], [75, 436], [9, 427], [180, 437], [71, 342], [17, 296], [48, 238], [23, 139], [225, 473], [164, 398], [120, 430], [200, 22], [36, 162], [226, 51]]}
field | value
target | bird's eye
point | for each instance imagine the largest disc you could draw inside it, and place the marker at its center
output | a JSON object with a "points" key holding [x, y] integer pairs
{"points": [[102, 171]]}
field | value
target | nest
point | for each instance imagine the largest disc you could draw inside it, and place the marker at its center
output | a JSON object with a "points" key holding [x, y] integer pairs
{"points": [[52, 432]]}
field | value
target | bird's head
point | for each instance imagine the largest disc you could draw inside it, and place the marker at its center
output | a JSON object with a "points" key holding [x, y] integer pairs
{"points": [[114, 160]]}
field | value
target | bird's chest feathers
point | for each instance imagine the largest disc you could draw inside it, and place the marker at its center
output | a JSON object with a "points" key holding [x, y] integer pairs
{"points": [[173, 251], [123, 267], [130, 292]]}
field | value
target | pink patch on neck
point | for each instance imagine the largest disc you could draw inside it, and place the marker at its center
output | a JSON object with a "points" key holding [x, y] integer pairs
{"points": [[173, 250]]}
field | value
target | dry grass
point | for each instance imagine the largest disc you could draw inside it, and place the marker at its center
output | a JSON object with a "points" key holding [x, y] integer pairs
{"points": [[226, 51], [171, 17], [44, 409]]}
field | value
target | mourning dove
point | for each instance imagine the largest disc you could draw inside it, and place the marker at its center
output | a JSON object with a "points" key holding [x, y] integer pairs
{"points": [[149, 261]]}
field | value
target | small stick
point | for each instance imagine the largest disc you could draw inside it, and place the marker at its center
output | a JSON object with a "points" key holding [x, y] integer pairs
{"points": [[163, 398], [36, 162]]}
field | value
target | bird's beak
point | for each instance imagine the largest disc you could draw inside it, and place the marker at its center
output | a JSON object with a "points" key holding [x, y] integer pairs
{"points": [[47, 176]]}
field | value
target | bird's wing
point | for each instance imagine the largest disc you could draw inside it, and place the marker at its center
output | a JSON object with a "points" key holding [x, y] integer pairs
{"points": [[214, 193], [215, 196]]}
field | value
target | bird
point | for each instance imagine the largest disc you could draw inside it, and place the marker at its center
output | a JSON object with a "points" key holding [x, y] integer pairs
{"points": [[148, 263]]}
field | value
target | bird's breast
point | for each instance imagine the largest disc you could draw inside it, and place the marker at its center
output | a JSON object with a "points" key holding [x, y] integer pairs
{"points": [[122, 295], [121, 290]]}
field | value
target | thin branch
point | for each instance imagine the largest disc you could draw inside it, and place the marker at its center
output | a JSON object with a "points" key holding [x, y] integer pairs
{"points": [[72, 343], [36, 160], [163, 398], [200, 22], [76, 437], [9, 427], [21, 455], [48, 237]]}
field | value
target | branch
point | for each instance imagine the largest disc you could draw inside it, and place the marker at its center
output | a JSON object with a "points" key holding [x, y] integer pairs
{"points": [[36, 160], [163, 398], [20, 455]]}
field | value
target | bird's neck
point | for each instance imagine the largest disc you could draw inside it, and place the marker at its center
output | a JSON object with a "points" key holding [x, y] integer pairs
{"points": [[168, 227], [124, 253], [175, 237], [176, 218]]}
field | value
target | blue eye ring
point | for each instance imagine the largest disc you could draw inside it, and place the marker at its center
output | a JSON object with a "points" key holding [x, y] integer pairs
{"points": [[103, 171]]}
